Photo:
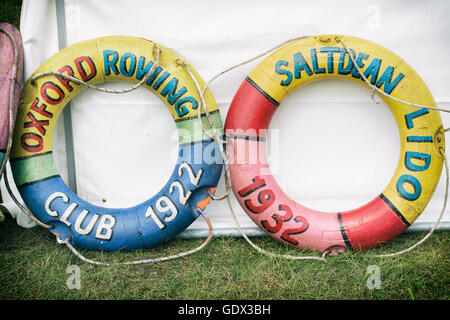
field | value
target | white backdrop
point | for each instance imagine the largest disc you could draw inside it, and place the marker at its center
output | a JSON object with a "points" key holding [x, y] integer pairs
{"points": [[313, 158]]}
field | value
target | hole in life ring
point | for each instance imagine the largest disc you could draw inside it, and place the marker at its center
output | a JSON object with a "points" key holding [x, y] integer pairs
{"points": [[125, 146], [331, 148]]}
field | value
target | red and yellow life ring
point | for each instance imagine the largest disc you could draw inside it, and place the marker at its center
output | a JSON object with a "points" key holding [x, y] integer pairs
{"points": [[316, 58]]}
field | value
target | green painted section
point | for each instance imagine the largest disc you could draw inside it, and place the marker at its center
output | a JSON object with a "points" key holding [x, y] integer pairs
{"points": [[33, 169], [191, 131]]}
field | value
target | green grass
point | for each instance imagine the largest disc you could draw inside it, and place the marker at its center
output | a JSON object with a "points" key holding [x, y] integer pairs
{"points": [[33, 266]]}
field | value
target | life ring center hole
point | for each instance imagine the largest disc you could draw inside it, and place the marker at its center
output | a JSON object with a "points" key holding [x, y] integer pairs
{"points": [[331, 148], [125, 146]]}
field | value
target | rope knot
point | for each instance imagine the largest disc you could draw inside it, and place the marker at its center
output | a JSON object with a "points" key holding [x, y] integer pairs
{"points": [[63, 241], [157, 50], [373, 96], [181, 62]]}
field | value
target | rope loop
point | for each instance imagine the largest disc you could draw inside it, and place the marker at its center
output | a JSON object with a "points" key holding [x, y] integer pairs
{"points": [[216, 137], [157, 51], [150, 260], [373, 96], [374, 89], [22, 207]]}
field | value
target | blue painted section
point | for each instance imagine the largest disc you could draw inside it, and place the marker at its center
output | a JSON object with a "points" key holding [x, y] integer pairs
{"points": [[2, 156], [289, 75], [415, 114], [128, 228], [425, 157], [330, 58], [412, 181], [419, 139], [316, 68]]}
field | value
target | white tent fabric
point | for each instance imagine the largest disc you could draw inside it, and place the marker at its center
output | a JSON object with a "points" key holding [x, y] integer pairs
{"points": [[332, 147]]}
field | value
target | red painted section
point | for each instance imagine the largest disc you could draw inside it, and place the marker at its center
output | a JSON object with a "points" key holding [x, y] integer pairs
{"points": [[270, 208], [371, 225], [249, 110]]}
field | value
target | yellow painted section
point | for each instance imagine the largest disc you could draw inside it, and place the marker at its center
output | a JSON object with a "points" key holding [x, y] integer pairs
{"points": [[410, 88], [35, 136]]}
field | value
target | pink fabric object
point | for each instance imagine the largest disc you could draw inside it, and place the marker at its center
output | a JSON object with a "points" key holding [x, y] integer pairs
{"points": [[7, 74]]}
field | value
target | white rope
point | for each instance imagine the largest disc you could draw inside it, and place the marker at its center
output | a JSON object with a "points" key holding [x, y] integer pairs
{"points": [[23, 208], [271, 254], [203, 107], [151, 260], [219, 141], [157, 52], [374, 88], [203, 104], [216, 135]]}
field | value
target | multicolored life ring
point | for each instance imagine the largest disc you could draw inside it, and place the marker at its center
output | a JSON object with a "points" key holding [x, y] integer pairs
{"points": [[174, 207], [421, 134]]}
